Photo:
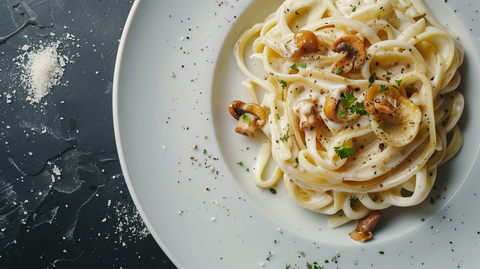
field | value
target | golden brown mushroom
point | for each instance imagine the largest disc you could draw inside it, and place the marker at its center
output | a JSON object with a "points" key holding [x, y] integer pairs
{"points": [[304, 42], [363, 231], [333, 105], [355, 55], [249, 116], [382, 104], [306, 110]]}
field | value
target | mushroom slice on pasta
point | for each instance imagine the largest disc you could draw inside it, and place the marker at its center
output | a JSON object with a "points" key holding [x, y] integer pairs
{"points": [[394, 118]]}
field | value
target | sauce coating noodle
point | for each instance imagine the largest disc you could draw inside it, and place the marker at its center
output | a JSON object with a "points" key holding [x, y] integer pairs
{"points": [[359, 122]]}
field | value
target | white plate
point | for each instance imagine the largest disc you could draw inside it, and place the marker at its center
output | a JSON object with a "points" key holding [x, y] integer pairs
{"points": [[219, 218]]}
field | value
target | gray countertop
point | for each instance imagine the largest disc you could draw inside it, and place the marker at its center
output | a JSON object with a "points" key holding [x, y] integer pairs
{"points": [[63, 199]]}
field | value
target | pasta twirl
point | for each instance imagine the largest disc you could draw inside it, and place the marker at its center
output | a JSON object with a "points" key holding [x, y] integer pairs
{"points": [[359, 122]]}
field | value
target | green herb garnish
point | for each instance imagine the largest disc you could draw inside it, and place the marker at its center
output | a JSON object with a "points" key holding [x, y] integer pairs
{"points": [[240, 163], [432, 201], [371, 80], [303, 65], [381, 252], [388, 73], [339, 70], [347, 99], [398, 83], [353, 200], [315, 265], [273, 191], [344, 152], [383, 88], [284, 84], [246, 119], [379, 14], [205, 137], [294, 67], [284, 138], [354, 9], [296, 160], [359, 108], [204, 151], [342, 113], [248, 170]]}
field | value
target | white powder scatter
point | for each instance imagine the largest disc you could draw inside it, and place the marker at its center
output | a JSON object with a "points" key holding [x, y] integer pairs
{"points": [[42, 69], [57, 171], [129, 224]]}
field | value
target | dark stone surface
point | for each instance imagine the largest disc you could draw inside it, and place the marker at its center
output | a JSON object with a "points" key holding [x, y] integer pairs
{"points": [[63, 199]]}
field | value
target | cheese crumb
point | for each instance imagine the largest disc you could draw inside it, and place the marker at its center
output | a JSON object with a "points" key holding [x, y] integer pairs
{"points": [[42, 69]]}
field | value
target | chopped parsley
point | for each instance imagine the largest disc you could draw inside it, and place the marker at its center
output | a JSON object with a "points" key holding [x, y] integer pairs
{"points": [[284, 84], [248, 170], [379, 14], [383, 88], [284, 138], [204, 151], [342, 113], [432, 201], [398, 84], [381, 252], [388, 73], [354, 9], [371, 80], [303, 65], [315, 265], [294, 67], [205, 137], [273, 191], [375, 198], [246, 119], [359, 108], [240, 163], [344, 152], [300, 251], [353, 200], [296, 160], [339, 70], [287, 266], [347, 99]]}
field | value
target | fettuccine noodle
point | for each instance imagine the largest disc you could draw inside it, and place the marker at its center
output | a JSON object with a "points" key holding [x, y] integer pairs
{"points": [[353, 163]]}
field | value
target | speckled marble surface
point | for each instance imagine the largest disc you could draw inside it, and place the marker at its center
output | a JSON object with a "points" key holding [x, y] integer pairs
{"points": [[63, 198]]}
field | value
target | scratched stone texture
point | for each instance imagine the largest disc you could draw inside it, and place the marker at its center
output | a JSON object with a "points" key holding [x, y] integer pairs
{"points": [[63, 199]]}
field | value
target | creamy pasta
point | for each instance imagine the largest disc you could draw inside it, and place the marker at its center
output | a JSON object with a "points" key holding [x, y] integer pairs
{"points": [[359, 102]]}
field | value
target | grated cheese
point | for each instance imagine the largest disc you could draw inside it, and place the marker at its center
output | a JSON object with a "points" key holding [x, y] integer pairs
{"points": [[42, 69]]}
